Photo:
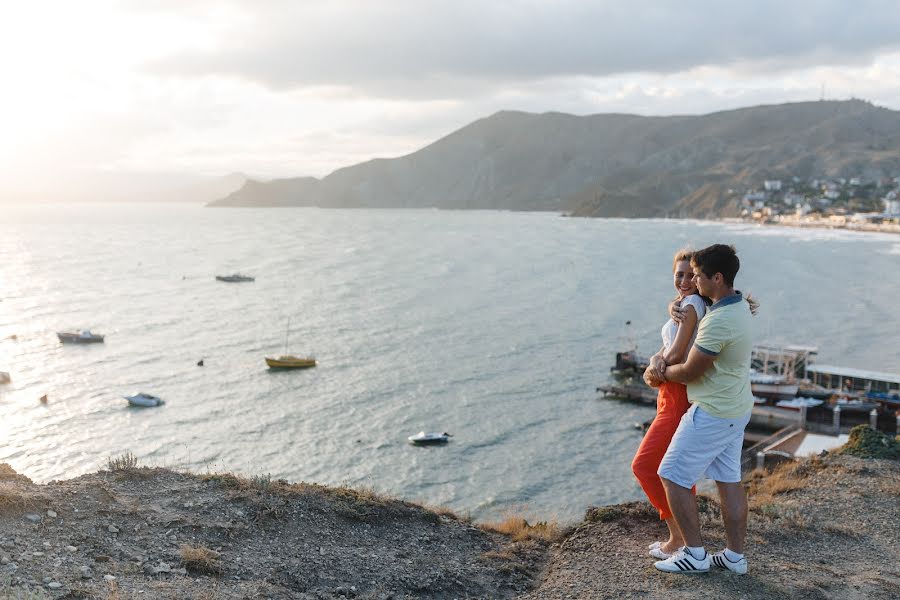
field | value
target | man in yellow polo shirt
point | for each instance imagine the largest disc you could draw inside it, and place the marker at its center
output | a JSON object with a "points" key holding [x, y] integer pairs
{"points": [[709, 438]]}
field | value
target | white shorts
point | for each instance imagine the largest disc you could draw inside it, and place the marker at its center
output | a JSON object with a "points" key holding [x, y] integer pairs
{"points": [[704, 447]]}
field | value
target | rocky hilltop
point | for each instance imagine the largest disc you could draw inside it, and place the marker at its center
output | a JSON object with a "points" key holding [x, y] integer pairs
{"points": [[609, 165], [820, 528]]}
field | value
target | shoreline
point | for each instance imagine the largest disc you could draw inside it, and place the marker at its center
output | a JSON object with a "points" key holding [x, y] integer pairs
{"points": [[818, 224]]}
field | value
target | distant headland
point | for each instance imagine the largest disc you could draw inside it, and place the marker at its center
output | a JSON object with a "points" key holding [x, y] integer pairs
{"points": [[620, 165]]}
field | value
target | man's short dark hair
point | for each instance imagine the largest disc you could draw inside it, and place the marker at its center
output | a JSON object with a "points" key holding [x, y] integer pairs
{"points": [[718, 258]]}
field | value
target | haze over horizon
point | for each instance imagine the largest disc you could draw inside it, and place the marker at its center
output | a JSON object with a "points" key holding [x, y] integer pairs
{"points": [[104, 93]]}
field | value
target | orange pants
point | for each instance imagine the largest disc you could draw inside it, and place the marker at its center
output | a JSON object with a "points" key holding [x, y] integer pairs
{"points": [[671, 404]]}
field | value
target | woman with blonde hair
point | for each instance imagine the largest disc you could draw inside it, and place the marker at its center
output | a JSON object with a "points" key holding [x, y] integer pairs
{"points": [[672, 400]]}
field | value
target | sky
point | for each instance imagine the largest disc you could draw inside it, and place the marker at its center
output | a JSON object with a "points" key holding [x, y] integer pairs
{"points": [[97, 92]]}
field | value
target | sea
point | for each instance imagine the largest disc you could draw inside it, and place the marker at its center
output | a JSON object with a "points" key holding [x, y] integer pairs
{"points": [[496, 327]]}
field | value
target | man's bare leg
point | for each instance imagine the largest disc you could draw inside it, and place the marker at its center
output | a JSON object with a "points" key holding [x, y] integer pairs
{"points": [[733, 500], [683, 505]]}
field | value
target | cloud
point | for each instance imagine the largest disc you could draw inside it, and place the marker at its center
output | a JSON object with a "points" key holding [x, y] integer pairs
{"points": [[445, 49]]}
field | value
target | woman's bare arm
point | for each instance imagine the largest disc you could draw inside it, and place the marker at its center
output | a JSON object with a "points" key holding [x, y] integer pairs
{"points": [[678, 351]]}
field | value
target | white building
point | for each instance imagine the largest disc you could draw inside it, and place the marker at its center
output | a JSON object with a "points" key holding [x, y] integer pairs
{"points": [[754, 196], [832, 194], [793, 198], [802, 209], [772, 185], [892, 207]]}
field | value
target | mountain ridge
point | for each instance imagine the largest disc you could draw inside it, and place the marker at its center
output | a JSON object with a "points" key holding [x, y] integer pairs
{"points": [[608, 164]]}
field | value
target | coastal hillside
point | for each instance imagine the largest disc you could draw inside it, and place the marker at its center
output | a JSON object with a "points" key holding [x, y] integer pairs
{"points": [[820, 528], [609, 165]]}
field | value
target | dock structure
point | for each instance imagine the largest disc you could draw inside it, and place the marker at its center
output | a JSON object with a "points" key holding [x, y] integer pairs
{"points": [[855, 380], [801, 406], [632, 391], [787, 444], [790, 362]]}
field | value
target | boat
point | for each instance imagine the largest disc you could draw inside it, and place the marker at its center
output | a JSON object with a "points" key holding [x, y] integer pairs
{"points": [[144, 400], [799, 402], [776, 387], [289, 361], [80, 337], [235, 278], [429, 439], [630, 363]]}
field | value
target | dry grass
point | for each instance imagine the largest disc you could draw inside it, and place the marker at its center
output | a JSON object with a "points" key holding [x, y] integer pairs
{"points": [[764, 486], [14, 500], [125, 463], [112, 593], [519, 529], [200, 559], [257, 483]]}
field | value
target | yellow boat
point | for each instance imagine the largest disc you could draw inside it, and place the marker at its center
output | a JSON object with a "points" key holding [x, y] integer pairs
{"points": [[290, 362]]}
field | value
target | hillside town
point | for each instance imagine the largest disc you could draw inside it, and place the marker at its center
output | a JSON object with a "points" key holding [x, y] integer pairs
{"points": [[827, 202]]}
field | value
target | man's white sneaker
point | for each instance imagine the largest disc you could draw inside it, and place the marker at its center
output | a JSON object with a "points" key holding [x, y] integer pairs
{"points": [[720, 560], [683, 562]]}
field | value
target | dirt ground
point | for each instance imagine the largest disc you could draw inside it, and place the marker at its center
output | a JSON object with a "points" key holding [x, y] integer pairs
{"points": [[824, 528]]}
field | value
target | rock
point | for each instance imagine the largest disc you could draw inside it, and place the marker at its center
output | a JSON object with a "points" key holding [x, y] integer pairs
{"points": [[33, 518], [162, 568], [112, 529], [109, 577], [37, 553], [51, 514], [101, 558], [54, 585], [72, 548], [48, 579]]}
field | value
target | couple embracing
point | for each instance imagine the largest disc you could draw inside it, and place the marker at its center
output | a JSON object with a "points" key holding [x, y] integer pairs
{"points": [[704, 403]]}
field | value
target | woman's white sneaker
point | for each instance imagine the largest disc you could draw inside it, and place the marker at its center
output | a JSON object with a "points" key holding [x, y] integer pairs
{"points": [[720, 560], [684, 562]]}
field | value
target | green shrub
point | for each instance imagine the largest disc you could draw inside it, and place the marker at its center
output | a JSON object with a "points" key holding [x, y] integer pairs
{"points": [[865, 442]]}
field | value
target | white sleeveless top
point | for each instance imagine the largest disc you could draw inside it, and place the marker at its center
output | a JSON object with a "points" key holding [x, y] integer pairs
{"points": [[670, 329]]}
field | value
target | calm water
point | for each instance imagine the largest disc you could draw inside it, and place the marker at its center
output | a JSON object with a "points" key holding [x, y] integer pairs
{"points": [[496, 327]]}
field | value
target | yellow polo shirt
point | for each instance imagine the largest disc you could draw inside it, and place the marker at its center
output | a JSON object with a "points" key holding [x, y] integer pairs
{"points": [[724, 389]]}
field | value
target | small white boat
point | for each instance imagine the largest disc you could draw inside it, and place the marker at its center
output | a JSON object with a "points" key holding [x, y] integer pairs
{"points": [[80, 337], [799, 402], [429, 439], [144, 400]]}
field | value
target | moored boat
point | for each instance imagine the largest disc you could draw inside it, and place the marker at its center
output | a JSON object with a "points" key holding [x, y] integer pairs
{"points": [[79, 337], [776, 387], [429, 439], [288, 361], [144, 400], [235, 278]]}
